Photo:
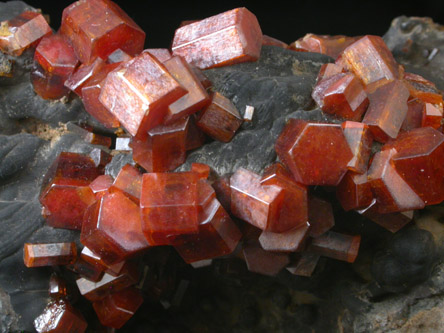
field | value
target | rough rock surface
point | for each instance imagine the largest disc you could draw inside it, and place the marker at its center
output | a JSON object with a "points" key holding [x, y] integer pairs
{"points": [[361, 297]]}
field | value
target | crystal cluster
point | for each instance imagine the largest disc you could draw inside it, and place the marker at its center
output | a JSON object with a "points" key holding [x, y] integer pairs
{"points": [[273, 220]]}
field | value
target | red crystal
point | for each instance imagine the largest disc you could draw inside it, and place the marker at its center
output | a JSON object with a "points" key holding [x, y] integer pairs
{"points": [[329, 70], [55, 55], [90, 257], [217, 236], [220, 119], [264, 262], [392, 193], [112, 228], [413, 119], [164, 149], [86, 270], [128, 182], [67, 195], [169, 206], [306, 148], [116, 309], [418, 161], [52, 254], [161, 54], [22, 32], [57, 287], [354, 191], [60, 316], [224, 39], [387, 110], [96, 28], [337, 246], [95, 291], [432, 116], [47, 85], [370, 60], [202, 170], [223, 191], [90, 93], [101, 185], [194, 100], [276, 205], [139, 92], [360, 141], [393, 222], [422, 89], [320, 216], [342, 95], [289, 241], [195, 137], [84, 73], [329, 45]]}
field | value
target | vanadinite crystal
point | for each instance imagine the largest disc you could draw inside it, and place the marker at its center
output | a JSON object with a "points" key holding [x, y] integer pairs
{"points": [[112, 228], [432, 116], [57, 287], [337, 246], [169, 206], [22, 32], [116, 309], [329, 45], [48, 85], [55, 55], [354, 191], [360, 141], [95, 291], [320, 216], [387, 110], [289, 241], [264, 262], [370, 60], [194, 100], [164, 149], [90, 93], [276, 205], [52, 254], [307, 148], [392, 193], [419, 161], [218, 235], [96, 28], [304, 265], [60, 316], [139, 92], [67, 194], [342, 95], [129, 182], [220, 119], [227, 38]]}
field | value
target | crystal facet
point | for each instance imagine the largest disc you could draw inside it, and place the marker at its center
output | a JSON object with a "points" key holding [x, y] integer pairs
{"points": [[307, 148], [139, 92], [224, 39], [220, 119], [96, 28], [52, 254]]}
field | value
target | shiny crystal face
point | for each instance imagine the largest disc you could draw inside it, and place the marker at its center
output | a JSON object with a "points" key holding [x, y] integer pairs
{"points": [[165, 107]]}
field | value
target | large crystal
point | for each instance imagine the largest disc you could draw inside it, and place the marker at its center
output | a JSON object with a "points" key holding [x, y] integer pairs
{"points": [[96, 28], [224, 39], [139, 92], [308, 148]]}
